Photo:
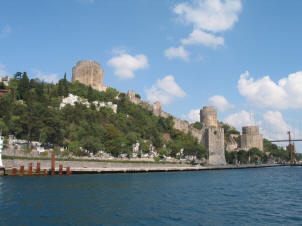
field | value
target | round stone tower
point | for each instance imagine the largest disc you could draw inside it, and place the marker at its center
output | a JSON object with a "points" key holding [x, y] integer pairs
{"points": [[208, 116], [250, 130], [89, 73], [251, 138]]}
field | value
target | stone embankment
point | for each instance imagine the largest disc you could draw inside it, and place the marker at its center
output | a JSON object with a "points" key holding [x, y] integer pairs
{"points": [[89, 167]]}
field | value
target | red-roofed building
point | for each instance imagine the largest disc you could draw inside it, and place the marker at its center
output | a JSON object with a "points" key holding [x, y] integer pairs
{"points": [[4, 91]]}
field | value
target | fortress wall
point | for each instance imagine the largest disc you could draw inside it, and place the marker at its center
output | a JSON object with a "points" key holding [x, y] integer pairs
{"points": [[165, 114], [156, 109], [214, 140], [146, 105], [232, 144], [135, 100], [199, 134], [181, 125], [131, 96]]}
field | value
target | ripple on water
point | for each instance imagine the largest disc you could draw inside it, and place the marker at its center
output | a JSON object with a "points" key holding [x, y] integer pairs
{"points": [[232, 197]]}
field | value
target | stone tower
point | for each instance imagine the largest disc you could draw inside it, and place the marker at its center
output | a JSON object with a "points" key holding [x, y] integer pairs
{"points": [[208, 116], [213, 138], [156, 108], [89, 73], [251, 138]]}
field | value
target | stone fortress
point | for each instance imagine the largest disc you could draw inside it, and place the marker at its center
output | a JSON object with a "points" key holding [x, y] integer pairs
{"points": [[250, 138], [211, 135], [89, 73]]}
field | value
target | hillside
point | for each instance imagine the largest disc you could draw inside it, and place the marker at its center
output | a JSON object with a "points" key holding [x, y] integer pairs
{"points": [[32, 111]]}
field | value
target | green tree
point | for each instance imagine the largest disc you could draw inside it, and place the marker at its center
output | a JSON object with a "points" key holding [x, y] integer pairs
{"points": [[65, 89], [60, 88], [74, 147], [90, 95], [23, 86], [112, 141]]}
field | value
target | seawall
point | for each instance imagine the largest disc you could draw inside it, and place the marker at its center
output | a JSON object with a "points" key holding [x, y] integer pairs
{"points": [[85, 167]]}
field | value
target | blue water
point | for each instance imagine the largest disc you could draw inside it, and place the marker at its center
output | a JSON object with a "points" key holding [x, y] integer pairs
{"points": [[266, 196]]}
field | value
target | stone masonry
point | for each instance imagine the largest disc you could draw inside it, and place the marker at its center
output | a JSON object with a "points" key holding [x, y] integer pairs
{"points": [[89, 73], [251, 138], [208, 116], [214, 141], [213, 137]]}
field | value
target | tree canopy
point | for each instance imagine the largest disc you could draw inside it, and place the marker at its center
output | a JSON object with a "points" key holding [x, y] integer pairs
{"points": [[32, 111]]}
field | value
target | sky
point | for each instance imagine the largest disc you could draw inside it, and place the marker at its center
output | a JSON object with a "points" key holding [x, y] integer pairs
{"points": [[243, 57]]}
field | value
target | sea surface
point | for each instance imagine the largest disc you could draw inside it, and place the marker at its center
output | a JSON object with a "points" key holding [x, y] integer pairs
{"points": [[264, 196]]}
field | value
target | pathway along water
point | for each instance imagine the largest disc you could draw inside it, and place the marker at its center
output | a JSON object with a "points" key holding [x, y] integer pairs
{"points": [[261, 196]]}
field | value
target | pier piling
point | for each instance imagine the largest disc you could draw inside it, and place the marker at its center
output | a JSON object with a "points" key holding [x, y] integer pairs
{"points": [[30, 169], [53, 159], [60, 170], [38, 169], [45, 173], [21, 170], [14, 171], [68, 171]]}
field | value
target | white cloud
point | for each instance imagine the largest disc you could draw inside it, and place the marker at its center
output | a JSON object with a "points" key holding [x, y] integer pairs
{"points": [[124, 65], [221, 103], [193, 116], [200, 37], [272, 124], [165, 90], [5, 31], [240, 119], [274, 127], [50, 78], [265, 93], [2, 70], [177, 52], [210, 15]]}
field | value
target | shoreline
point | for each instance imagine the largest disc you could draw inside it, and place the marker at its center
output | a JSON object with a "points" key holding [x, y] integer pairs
{"points": [[84, 167]]}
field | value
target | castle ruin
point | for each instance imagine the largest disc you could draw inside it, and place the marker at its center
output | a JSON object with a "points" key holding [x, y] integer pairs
{"points": [[89, 73], [251, 138], [213, 137], [208, 117]]}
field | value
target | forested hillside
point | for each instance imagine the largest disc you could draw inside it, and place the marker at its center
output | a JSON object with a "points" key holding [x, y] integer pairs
{"points": [[31, 111]]}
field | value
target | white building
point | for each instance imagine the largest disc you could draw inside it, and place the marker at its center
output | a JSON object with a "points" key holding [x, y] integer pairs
{"points": [[5, 80], [72, 99]]}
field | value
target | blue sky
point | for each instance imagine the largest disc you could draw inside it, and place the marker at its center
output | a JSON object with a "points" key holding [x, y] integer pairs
{"points": [[186, 54]]}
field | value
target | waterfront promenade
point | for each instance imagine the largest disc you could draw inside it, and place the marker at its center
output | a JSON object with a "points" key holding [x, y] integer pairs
{"points": [[89, 167]]}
